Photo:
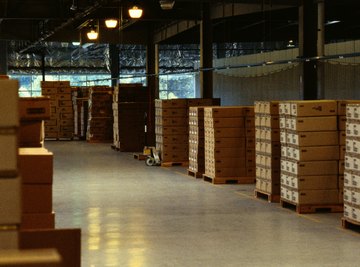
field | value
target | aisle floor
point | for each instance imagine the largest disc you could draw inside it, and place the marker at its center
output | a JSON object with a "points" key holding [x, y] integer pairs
{"points": [[132, 215]]}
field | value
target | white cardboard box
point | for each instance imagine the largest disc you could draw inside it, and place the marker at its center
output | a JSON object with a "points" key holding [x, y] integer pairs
{"points": [[8, 155]]}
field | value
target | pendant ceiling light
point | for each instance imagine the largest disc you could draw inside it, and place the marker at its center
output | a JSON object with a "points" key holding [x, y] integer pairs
{"points": [[111, 23], [135, 12]]}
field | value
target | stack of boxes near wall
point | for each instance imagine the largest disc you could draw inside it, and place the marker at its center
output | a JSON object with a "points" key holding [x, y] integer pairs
{"points": [[61, 123], [352, 165], [227, 155], [130, 104], [36, 165], [100, 121], [309, 153], [268, 148], [80, 98], [10, 182]]}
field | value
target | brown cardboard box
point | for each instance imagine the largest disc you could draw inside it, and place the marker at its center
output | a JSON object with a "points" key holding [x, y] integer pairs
{"points": [[313, 182], [9, 239], [228, 152], [8, 155], [31, 133], [271, 122], [36, 198], [342, 123], [165, 130], [304, 168], [309, 108], [342, 137], [311, 153], [225, 122], [311, 124], [34, 108], [171, 112], [203, 102], [230, 172], [305, 139], [171, 121], [226, 142], [271, 107], [66, 241], [226, 162], [315, 196], [10, 201], [224, 132], [30, 258], [36, 165], [224, 112], [37, 221], [170, 103], [342, 105], [9, 109]]}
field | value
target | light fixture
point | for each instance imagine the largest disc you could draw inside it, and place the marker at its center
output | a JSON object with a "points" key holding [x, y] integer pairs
{"points": [[135, 12], [167, 4], [92, 34], [330, 22], [111, 23], [75, 43]]}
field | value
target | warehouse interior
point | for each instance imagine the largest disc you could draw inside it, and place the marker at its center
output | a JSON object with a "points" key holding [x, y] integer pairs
{"points": [[94, 114]]}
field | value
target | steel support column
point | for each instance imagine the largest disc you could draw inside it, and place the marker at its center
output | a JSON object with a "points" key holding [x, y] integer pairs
{"points": [[114, 63], [206, 54], [3, 58]]}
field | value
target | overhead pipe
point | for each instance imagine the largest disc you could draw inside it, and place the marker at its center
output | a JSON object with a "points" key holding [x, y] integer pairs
{"points": [[78, 16]]}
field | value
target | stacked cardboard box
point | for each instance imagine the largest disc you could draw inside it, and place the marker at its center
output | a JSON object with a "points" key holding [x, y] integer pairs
{"points": [[36, 167], [352, 167], [33, 112], [267, 149], [229, 144], [309, 153], [100, 122], [196, 141], [130, 107], [10, 182], [80, 98], [61, 123], [172, 127]]}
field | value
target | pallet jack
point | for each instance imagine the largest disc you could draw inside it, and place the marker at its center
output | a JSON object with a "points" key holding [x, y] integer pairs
{"points": [[153, 155]]}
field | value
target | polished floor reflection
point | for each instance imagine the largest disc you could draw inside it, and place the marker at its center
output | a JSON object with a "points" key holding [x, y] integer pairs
{"points": [[132, 215]]}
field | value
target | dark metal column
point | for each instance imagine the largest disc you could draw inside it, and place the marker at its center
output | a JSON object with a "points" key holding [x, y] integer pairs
{"points": [[3, 58], [114, 63], [152, 70], [206, 53], [308, 47], [43, 67]]}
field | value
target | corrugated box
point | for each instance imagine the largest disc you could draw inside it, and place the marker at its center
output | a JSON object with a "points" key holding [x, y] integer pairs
{"points": [[34, 108], [311, 124], [313, 153], [312, 182], [36, 165], [37, 198], [305, 139], [225, 112], [10, 201], [304, 168], [342, 106], [9, 239], [225, 122], [170, 103], [309, 108], [9, 109], [31, 133], [315, 196], [8, 155], [37, 221]]}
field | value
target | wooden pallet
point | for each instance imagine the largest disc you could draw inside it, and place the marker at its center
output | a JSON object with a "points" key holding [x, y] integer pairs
{"points": [[59, 139], [267, 196], [140, 156], [350, 224], [311, 208], [171, 164], [99, 141], [228, 180], [195, 174]]}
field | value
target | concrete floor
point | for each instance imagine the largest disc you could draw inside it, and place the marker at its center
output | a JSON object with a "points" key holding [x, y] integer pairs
{"points": [[133, 215]]}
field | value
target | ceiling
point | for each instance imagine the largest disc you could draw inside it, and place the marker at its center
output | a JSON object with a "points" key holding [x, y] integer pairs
{"points": [[32, 22]]}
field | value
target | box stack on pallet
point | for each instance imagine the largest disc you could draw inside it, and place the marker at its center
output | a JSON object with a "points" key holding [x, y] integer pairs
{"points": [[310, 156], [172, 128], [130, 106], [80, 99], [61, 123], [100, 122], [268, 150], [10, 181], [352, 168], [196, 142], [228, 158]]}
